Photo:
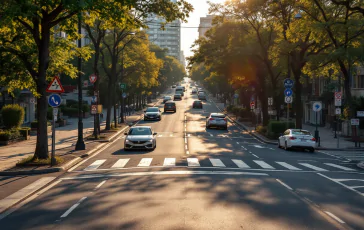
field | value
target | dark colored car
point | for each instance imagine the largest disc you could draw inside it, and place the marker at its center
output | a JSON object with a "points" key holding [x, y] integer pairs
{"points": [[170, 106], [201, 96], [173, 86], [177, 97], [152, 113], [197, 104]]}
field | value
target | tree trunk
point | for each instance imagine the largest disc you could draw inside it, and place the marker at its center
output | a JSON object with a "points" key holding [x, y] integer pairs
{"points": [[347, 87], [41, 149], [108, 106], [96, 89], [298, 100]]}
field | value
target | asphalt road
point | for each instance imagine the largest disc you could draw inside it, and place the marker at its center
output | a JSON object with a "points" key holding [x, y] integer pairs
{"points": [[199, 179]]}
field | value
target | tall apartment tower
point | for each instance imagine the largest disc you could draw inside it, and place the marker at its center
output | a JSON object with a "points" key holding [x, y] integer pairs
{"points": [[169, 38], [205, 25]]}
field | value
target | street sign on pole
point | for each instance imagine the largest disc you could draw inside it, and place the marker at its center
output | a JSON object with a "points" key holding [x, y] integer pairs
{"points": [[122, 85], [94, 99], [32, 100], [124, 95], [288, 83], [338, 111], [317, 106], [270, 100], [54, 100], [288, 100], [288, 92], [236, 95], [360, 113], [93, 78], [337, 102], [85, 83], [93, 109], [55, 86], [338, 95], [354, 121]]}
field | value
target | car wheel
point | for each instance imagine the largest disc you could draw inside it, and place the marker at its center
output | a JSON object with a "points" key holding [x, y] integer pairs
{"points": [[125, 149], [312, 150]]}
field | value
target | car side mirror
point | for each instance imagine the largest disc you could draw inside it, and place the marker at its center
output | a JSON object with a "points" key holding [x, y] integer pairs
{"points": [[154, 133], [125, 133]]}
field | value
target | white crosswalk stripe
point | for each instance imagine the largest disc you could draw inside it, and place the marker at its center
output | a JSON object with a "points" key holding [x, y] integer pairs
{"points": [[145, 162], [240, 164], [217, 162], [169, 162], [120, 163], [95, 165], [340, 167], [313, 167], [193, 162], [264, 165], [288, 166]]}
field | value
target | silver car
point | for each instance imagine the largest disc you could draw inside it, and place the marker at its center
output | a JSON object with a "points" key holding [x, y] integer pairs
{"points": [[140, 137], [297, 138], [217, 120]]}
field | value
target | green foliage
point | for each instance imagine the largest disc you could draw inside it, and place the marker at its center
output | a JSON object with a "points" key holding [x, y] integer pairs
{"points": [[275, 128], [262, 130], [24, 132], [12, 116], [9, 135], [31, 160], [229, 108], [69, 111]]}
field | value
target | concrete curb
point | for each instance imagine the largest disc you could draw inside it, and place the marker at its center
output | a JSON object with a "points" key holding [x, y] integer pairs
{"points": [[361, 165]]}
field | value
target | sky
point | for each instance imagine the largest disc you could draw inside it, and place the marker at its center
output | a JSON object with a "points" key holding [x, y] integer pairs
{"points": [[189, 35]]}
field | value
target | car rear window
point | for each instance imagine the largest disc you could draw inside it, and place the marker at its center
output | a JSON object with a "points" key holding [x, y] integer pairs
{"points": [[218, 115], [170, 103], [300, 132], [197, 102]]}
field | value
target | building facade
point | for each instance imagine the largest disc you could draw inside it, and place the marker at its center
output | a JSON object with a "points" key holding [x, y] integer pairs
{"points": [[205, 25]]}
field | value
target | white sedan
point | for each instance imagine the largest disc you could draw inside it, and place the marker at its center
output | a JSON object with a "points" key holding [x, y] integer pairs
{"points": [[297, 138]]}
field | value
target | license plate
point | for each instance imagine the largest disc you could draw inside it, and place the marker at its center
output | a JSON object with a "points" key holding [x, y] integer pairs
{"points": [[304, 140]]}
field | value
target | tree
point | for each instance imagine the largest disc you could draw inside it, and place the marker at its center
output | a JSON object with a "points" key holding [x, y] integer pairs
{"points": [[29, 30]]}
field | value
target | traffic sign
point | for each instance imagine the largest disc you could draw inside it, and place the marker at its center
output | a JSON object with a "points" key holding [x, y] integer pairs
{"points": [[252, 103], [55, 86], [122, 85], [288, 100], [94, 99], [338, 95], [288, 92], [32, 100], [354, 121], [54, 100], [337, 102], [55, 112], [288, 83], [124, 95], [236, 95], [338, 111], [93, 78], [252, 98], [85, 83], [360, 113], [93, 109], [270, 100], [317, 106]]}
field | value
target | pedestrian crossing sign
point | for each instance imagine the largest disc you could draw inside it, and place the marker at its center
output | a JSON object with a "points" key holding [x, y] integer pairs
{"points": [[55, 86]]}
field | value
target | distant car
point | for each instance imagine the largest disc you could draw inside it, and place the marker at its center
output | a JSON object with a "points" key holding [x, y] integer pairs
{"points": [[177, 97], [201, 96], [170, 106], [217, 120], [152, 113], [167, 98], [184, 88], [179, 90], [173, 86], [194, 91], [190, 86], [140, 137], [297, 138], [197, 104]]}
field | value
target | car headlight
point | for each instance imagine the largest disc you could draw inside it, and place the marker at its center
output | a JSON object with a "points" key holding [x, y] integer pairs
{"points": [[149, 141], [127, 141]]}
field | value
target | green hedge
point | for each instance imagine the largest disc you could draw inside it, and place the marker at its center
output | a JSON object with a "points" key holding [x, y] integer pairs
{"points": [[12, 116], [229, 108], [275, 128], [262, 130], [69, 111], [8, 135]]}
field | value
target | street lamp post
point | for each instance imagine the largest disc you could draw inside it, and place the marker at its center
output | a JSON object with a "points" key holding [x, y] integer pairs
{"points": [[80, 145]]}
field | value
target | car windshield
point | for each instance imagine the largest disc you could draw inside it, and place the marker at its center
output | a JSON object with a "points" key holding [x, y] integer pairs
{"points": [[152, 109], [140, 131], [218, 115], [169, 104], [167, 97], [197, 102], [300, 132]]}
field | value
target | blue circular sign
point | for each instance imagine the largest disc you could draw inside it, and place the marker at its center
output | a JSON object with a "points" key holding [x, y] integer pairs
{"points": [[236, 95], [288, 92], [124, 95], [93, 99], [54, 100], [288, 83]]}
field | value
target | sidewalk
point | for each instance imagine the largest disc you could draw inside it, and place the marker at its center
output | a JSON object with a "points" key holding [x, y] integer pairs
{"points": [[66, 137]]}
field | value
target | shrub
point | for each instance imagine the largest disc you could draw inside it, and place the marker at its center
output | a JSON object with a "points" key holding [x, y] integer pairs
{"points": [[229, 108], [262, 129], [245, 113], [277, 127], [236, 111], [12, 116], [8, 135], [69, 111], [85, 108]]}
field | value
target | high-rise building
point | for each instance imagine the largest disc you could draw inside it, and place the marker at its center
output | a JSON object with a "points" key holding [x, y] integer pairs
{"points": [[169, 38], [205, 25], [182, 59]]}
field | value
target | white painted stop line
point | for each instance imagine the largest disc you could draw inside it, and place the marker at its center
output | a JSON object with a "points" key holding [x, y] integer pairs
{"points": [[193, 162], [120, 163], [95, 165], [284, 164], [240, 163], [169, 162], [145, 162], [217, 163], [264, 165]]}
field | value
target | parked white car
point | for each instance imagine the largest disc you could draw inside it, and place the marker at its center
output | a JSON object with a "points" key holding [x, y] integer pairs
{"points": [[297, 138]]}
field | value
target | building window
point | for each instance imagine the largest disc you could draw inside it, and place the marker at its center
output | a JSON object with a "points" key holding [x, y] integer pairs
{"points": [[360, 81]]}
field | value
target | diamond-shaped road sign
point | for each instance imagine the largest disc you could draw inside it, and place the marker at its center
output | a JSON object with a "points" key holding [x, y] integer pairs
{"points": [[55, 86]]}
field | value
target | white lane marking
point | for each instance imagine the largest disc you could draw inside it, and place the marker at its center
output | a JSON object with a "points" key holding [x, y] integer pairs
{"points": [[185, 140], [237, 143], [102, 147], [186, 147], [337, 157], [217, 162], [73, 207], [340, 167], [285, 185], [263, 164], [99, 185], [335, 217], [95, 165], [188, 152], [240, 164], [313, 167], [243, 148], [254, 155], [159, 135], [288, 166], [189, 135], [193, 162], [145, 162], [24, 192], [344, 185], [211, 134], [171, 135], [189, 172], [357, 186], [120, 163], [169, 162]]}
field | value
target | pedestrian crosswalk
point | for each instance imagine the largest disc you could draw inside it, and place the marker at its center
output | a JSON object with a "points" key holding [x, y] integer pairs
{"points": [[115, 163]]}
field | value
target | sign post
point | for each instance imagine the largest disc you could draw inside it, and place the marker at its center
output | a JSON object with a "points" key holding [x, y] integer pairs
{"points": [[355, 122], [317, 107], [288, 84], [54, 100]]}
